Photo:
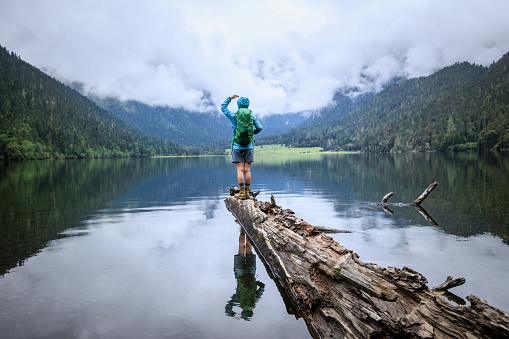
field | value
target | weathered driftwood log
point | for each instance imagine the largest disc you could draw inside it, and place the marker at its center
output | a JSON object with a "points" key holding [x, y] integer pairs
{"points": [[340, 296], [234, 190]]}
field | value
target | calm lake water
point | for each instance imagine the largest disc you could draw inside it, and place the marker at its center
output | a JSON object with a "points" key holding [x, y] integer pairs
{"points": [[139, 248]]}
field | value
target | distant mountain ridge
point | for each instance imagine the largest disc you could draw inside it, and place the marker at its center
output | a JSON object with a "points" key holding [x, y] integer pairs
{"points": [[463, 106], [341, 106], [190, 128]]}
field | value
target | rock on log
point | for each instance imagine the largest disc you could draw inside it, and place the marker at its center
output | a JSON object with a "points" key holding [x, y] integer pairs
{"points": [[340, 296]]}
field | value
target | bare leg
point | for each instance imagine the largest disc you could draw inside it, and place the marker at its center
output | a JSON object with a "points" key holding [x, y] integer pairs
{"points": [[242, 244], [240, 172], [247, 172], [248, 246]]}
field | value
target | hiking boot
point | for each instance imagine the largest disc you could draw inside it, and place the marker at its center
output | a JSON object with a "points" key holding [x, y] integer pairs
{"points": [[247, 192], [242, 194]]}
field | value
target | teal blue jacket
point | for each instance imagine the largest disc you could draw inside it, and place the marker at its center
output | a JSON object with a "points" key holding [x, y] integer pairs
{"points": [[242, 102]]}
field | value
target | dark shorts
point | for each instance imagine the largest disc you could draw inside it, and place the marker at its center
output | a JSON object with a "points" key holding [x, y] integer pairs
{"points": [[242, 155], [244, 264]]}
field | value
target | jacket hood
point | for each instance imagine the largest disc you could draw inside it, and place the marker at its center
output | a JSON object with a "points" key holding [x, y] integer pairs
{"points": [[243, 102]]}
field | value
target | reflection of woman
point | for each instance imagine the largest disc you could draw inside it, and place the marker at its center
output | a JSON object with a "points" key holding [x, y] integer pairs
{"points": [[248, 291]]}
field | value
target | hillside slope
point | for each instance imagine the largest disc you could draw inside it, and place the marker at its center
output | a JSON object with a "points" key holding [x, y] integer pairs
{"points": [[42, 118], [447, 109], [342, 105], [169, 123], [204, 130]]}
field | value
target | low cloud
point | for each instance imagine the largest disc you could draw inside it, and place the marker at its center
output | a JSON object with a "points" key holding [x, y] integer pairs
{"points": [[286, 56]]}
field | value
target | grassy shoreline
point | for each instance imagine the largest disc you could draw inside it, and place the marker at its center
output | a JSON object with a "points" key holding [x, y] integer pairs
{"points": [[268, 150], [285, 150]]}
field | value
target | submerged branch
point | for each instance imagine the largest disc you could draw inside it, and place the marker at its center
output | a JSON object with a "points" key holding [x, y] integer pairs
{"points": [[417, 201], [424, 194], [387, 196]]}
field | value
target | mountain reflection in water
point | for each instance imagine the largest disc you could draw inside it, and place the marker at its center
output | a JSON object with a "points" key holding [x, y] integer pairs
{"points": [[143, 247]]}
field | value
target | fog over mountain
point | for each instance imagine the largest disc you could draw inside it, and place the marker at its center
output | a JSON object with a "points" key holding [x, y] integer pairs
{"points": [[286, 56]]}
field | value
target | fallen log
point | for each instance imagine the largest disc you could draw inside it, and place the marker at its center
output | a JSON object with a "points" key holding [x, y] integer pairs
{"points": [[234, 190], [339, 296]]}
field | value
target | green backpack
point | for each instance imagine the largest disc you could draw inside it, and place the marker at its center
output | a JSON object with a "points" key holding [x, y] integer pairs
{"points": [[245, 130]]}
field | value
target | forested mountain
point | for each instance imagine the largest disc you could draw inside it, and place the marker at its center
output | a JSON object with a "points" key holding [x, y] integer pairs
{"points": [[342, 105], [205, 130], [168, 123], [463, 106], [279, 123], [42, 118]]}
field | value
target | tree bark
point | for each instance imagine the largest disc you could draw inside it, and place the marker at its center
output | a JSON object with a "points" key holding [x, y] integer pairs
{"points": [[340, 296]]}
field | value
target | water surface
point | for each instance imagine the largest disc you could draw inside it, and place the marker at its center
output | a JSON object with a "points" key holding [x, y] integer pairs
{"points": [[145, 247]]}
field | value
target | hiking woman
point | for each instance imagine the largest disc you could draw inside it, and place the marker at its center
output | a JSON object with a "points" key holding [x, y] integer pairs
{"points": [[245, 125]]}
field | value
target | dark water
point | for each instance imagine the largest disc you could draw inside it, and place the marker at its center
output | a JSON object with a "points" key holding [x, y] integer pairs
{"points": [[135, 248]]}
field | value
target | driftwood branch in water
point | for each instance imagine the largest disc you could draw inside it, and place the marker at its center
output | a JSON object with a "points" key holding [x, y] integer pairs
{"points": [[387, 196], [340, 296], [424, 194], [417, 201]]}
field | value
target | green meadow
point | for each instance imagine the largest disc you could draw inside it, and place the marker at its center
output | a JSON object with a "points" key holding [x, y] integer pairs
{"points": [[285, 150], [280, 154]]}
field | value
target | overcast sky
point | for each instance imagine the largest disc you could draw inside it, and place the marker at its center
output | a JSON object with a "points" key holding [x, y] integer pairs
{"points": [[285, 55]]}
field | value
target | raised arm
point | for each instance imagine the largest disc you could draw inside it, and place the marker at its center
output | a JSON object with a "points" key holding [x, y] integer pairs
{"points": [[224, 107]]}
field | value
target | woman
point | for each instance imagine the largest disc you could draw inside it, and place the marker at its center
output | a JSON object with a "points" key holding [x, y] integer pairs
{"points": [[242, 154]]}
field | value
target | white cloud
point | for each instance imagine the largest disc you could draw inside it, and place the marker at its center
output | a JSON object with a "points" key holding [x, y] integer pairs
{"points": [[286, 56]]}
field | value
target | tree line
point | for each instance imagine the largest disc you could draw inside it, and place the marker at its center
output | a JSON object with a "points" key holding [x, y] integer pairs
{"points": [[41, 118]]}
